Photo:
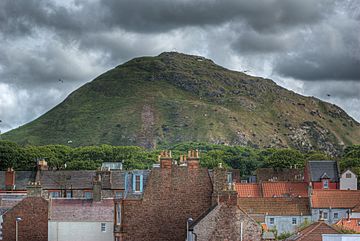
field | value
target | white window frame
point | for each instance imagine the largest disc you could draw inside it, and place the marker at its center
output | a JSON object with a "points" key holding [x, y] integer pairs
{"points": [[326, 184], [103, 227], [325, 215], [337, 216], [271, 221]]}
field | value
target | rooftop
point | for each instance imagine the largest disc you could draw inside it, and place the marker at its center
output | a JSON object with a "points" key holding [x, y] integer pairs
{"points": [[272, 189], [349, 224], [319, 169], [335, 198], [280, 206], [313, 232], [81, 210]]}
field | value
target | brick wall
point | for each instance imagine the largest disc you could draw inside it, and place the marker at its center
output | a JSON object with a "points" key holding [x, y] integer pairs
{"points": [[34, 225], [171, 197]]}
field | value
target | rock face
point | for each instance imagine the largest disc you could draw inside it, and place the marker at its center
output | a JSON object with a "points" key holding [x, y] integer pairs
{"points": [[175, 97]]}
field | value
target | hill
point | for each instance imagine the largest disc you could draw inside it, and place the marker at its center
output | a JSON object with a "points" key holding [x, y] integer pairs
{"points": [[173, 97]]}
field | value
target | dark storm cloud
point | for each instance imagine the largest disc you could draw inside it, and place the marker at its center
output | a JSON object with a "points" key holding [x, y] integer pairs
{"points": [[162, 15], [42, 41]]}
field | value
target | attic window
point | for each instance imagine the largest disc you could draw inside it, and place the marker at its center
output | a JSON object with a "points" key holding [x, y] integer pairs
{"points": [[326, 184], [348, 175], [103, 227], [138, 183]]}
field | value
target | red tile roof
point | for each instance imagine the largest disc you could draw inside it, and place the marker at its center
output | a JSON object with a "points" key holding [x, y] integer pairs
{"points": [[279, 206], [351, 224], [335, 198], [247, 190], [313, 232], [272, 189], [278, 189]]}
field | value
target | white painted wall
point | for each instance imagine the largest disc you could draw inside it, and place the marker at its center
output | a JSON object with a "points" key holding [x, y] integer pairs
{"points": [[341, 237], [78, 231], [283, 224], [348, 183]]}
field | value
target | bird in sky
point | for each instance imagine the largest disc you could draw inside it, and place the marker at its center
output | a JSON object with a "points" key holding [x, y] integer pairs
{"points": [[328, 95], [60, 80]]}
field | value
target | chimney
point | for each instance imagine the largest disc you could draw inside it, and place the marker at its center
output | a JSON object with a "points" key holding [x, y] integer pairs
{"points": [[42, 165], [165, 159], [34, 189], [219, 183], [193, 159], [10, 179], [97, 188]]}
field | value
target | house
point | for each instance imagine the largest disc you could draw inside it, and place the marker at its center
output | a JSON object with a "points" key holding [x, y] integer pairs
{"points": [[279, 175], [272, 189], [12, 181], [333, 205], [81, 219], [168, 198], [313, 232], [350, 224], [25, 214], [322, 174], [283, 214], [348, 180], [225, 221]]}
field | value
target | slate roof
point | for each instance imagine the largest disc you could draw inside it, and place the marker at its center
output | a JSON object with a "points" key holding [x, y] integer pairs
{"points": [[335, 198], [313, 232], [22, 179], [118, 179], [282, 174], [349, 224], [81, 210], [3, 210], [67, 179], [318, 169], [279, 206]]}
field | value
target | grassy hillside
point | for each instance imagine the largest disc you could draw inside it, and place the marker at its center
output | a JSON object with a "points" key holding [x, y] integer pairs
{"points": [[175, 97]]}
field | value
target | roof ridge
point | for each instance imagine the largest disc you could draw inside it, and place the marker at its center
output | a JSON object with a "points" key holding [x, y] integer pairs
{"points": [[310, 231]]}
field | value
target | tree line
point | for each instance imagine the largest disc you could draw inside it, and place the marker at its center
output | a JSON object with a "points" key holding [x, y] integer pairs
{"points": [[246, 159]]}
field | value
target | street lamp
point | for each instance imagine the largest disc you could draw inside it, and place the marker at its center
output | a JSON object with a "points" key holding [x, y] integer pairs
{"points": [[190, 220], [17, 220]]}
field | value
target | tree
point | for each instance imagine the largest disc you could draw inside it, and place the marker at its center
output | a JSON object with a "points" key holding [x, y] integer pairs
{"points": [[285, 158]]}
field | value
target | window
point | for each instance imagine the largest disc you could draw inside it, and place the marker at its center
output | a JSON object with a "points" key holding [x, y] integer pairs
{"points": [[336, 215], [68, 194], [229, 177], [348, 175], [272, 221], [118, 195], [118, 214], [138, 183], [103, 227], [325, 215], [88, 195], [54, 194], [326, 184], [294, 221]]}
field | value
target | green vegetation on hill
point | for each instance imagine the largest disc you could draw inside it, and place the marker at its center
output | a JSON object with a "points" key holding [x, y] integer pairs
{"points": [[174, 98], [246, 159]]}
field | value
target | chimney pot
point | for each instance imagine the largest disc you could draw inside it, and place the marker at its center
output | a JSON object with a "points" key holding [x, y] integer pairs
{"points": [[10, 179]]}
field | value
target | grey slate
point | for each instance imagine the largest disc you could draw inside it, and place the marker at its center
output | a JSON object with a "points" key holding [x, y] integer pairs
{"points": [[22, 179], [317, 170]]}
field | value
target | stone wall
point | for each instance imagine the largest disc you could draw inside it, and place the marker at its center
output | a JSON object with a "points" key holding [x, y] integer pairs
{"points": [[34, 225], [224, 223], [171, 197]]}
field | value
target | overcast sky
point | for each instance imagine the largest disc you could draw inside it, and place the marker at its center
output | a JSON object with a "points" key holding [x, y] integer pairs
{"points": [[309, 46]]}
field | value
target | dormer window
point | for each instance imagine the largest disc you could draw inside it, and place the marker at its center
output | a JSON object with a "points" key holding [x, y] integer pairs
{"points": [[137, 183], [348, 175], [229, 177], [326, 184]]}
